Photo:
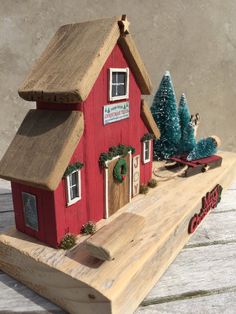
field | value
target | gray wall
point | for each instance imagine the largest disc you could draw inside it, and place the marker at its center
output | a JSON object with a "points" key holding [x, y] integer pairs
{"points": [[194, 39]]}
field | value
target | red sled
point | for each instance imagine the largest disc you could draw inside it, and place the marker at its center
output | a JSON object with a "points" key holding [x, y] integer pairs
{"points": [[198, 165]]}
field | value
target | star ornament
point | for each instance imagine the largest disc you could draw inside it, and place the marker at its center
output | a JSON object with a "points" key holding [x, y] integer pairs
{"points": [[124, 25]]}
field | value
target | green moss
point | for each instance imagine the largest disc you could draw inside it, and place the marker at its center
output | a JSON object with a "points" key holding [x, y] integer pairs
{"points": [[88, 228], [143, 189], [152, 183], [147, 137], [68, 241], [73, 167], [120, 150]]}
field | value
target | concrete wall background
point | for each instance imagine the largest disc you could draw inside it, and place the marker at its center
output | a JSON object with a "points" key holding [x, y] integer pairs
{"points": [[194, 39]]}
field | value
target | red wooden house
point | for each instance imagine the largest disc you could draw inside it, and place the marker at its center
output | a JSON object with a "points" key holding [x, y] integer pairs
{"points": [[87, 86]]}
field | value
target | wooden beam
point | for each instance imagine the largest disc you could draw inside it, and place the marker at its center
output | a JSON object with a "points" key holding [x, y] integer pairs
{"points": [[124, 25], [136, 63], [71, 63], [148, 119], [111, 239], [80, 283], [51, 138], [73, 59]]}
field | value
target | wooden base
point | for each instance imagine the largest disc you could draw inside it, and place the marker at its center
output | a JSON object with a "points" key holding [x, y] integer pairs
{"points": [[82, 284]]}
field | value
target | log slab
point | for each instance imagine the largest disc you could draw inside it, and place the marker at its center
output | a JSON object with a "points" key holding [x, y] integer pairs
{"points": [[82, 284]]}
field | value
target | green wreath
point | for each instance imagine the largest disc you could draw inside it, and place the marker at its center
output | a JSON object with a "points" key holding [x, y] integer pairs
{"points": [[120, 170]]}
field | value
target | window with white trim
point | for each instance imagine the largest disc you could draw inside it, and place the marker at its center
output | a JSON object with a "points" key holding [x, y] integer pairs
{"points": [[73, 181], [30, 210], [146, 151], [119, 83]]}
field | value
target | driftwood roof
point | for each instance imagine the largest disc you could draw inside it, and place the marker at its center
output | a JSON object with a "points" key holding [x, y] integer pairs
{"points": [[42, 148], [148, 119], [70, 65]]}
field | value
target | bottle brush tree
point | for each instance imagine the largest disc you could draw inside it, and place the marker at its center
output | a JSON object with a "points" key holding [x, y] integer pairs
{"points": [[165, 114], [187, 140], [205, 147]]}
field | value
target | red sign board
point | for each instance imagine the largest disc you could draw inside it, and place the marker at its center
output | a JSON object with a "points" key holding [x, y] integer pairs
{"points": [[209, 201]]}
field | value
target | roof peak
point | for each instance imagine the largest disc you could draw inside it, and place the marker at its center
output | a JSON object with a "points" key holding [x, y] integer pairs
{"points": [[73, 59]]}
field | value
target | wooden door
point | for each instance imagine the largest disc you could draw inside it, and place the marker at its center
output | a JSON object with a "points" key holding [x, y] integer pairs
{"points": [[117, 193]]}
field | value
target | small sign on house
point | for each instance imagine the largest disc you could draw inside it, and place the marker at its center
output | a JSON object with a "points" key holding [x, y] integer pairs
{"points": [[115, 112]]}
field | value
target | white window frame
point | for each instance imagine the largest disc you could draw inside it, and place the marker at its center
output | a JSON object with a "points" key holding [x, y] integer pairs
{"points": [[144, 149], [76, 199], [111, 71], [36, 208]]}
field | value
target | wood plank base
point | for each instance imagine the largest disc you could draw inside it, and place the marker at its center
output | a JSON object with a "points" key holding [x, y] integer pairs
{"points": [[82, 284]]}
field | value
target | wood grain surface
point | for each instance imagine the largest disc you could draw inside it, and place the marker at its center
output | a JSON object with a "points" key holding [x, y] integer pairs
{"points": [[136, 63], [118, 192], [107, 242], [73, 59], [52, 137], [201, 280], [148, 119]]}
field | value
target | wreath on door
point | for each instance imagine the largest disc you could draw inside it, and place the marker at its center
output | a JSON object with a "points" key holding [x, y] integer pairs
{"points": [[120, 170]]}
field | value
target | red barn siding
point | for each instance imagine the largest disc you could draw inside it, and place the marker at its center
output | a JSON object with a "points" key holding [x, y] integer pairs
{"points": [[46, 213], [55, 217], [71, 218], [98, 138]]}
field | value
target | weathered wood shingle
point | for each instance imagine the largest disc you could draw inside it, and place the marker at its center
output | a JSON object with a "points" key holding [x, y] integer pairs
{"points": [[42, 148], [70, 65]]}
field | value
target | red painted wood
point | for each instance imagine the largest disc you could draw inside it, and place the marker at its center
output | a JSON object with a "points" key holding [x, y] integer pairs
{"points": [[55, 217], [46, 213], [71, 218], [195, 163], [208, 202]]}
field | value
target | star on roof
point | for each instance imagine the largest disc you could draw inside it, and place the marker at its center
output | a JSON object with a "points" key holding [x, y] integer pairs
{"points": [[124, 24]]}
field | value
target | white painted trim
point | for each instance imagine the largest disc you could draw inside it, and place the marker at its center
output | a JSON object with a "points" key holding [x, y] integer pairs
{"points": [[76, 199], [36, 207], [136, 170], [126, 96], [145, 161], [130, 176], [106, 193], [106, 185]]}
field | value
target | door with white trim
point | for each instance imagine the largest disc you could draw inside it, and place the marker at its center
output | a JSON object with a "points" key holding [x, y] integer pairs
{"points": [[117, 194]]}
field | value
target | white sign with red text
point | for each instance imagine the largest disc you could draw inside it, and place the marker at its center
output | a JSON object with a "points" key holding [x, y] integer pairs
{"points": [[115, 112]]}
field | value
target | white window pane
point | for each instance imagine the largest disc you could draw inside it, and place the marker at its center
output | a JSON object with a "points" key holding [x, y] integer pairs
{"points": [[30, 211], [114, 77], [74, 192], [70, 179], [121, 77], [114, 90], [119, 83], [147, 150], [121, 90], [74, 178], [73, 185]]}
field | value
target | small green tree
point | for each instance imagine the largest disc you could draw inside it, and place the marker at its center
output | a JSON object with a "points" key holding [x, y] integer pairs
{"points": [[187, 140], [165, 114], [205, 147]]}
